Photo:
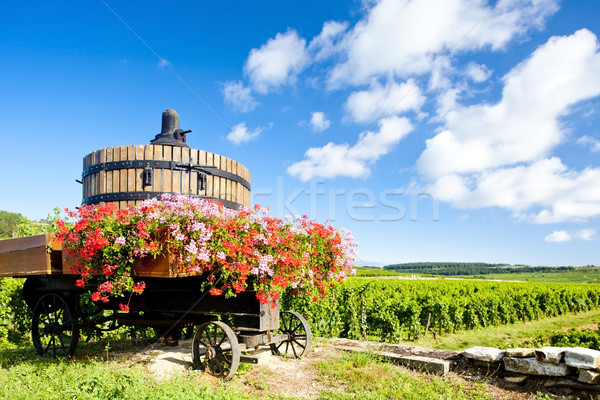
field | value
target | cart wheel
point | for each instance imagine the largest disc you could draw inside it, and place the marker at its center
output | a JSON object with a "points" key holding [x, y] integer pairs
{"points": [[298, 344], [54, 329], [215, 349]]}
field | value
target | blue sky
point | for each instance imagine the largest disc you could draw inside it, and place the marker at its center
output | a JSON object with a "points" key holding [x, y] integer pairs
{"points": [[435, 130]]}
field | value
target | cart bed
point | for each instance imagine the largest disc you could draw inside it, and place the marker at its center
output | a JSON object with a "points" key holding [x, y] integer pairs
{"points": [[42, 255], [26, 256]]}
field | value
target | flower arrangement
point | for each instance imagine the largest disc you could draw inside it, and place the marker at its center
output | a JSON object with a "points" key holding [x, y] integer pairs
{"points": [[235, 250]]}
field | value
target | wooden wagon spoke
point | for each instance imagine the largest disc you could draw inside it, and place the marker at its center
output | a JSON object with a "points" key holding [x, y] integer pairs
{"points": [[298, 335], [62, 345], [220, 357], [53, 327], [299, 344]]}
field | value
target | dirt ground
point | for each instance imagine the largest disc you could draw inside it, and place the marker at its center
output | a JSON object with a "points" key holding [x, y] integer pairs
{"points": [[299, 378]]}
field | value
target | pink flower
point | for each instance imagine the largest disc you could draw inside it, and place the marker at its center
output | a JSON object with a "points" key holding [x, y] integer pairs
{"points": [[120, 240], [105, 287]]}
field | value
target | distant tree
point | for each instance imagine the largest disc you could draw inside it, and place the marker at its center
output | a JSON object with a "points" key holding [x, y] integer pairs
{"points": [[28, 227], [9, 223]]}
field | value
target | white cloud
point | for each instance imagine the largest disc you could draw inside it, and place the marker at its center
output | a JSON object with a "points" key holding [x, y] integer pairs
{"points": [[319, 121], [478, 72], [523, 126], [589, 141], [500, 154], [402, 37], [380, 101], [238, 96], [333, 160], [277, 62], [240, 134], [567, 236], [326, 43]]}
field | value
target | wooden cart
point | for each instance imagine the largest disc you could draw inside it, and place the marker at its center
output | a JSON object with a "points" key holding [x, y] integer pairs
{"points": [[172, 300]]}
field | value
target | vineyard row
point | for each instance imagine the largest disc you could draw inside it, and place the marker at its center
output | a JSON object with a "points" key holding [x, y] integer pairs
{"points": [[392, 310]]}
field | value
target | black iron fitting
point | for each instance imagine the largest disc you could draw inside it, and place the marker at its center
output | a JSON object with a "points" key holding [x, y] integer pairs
{"points": [[171, 165], [171, 134]]}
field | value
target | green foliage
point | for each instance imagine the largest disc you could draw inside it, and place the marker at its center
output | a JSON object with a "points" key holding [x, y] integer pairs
{"points": [[41, 379], [374, 271], [573, 337], [8, 223], [463, 269], [15, 316], [363, 376], [29, 228], [391, 310]]}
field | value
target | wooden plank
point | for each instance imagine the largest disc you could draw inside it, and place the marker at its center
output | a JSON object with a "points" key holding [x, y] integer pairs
{"points": [[27, 256], [209, 178], [102, 174], [186, 174], [157, 174], [123, 176], [131, 178], [91, 176], [239, 193], [202, 161], [167, 173], [139, 155], [224, 181], [109, 174], [149, 155], [247, 191], [230, 183], [216, 189], [176, 173], [96, 176], [194, 175]]}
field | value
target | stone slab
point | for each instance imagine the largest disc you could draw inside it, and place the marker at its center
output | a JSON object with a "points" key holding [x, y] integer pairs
{"points": [[550, 354], [430, 365], [520, 353], [531, 366], [516, 379], [587, 376], [486, 354], [580, 357]]}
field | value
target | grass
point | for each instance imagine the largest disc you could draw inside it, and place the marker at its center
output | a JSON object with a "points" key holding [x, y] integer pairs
{"points": [[355, 375], [512, 335], [50, 379], [341, 376]]}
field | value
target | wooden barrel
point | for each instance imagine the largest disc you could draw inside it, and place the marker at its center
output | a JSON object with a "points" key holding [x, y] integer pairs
{"points": [[127, 175]]}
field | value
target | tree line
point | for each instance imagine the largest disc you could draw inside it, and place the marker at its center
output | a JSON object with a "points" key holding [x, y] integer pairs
{"points": [[462, 268]]}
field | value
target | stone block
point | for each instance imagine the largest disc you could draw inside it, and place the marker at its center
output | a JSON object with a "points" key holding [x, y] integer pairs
{"points": [[580, 357], [516, 379], [587, 376], [520, 353], [486, 354], [531, 366], [550, 354]]}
